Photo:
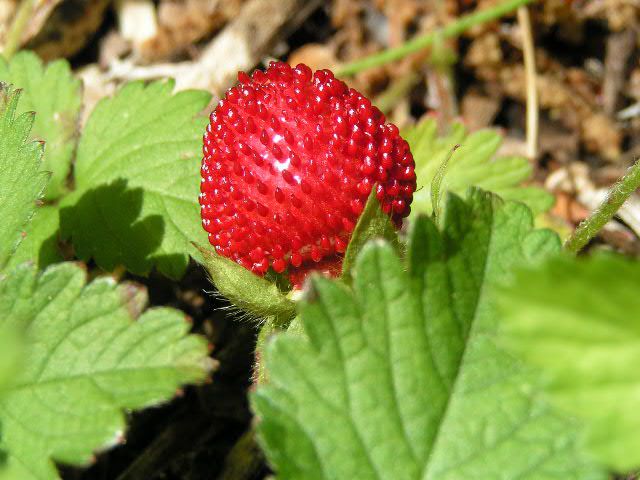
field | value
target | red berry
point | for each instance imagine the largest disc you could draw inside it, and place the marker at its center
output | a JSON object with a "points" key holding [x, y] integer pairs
{"points": [[290, 158]]}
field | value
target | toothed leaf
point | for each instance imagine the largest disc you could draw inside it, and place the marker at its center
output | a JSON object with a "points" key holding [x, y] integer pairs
{"points": [[88, 356], [137, 180], [55, 95], [400, 377], [21, 178], [474, 164]]}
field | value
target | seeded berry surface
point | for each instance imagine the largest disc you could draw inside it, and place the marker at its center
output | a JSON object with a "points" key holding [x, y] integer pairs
{"points": [[289, 160]]}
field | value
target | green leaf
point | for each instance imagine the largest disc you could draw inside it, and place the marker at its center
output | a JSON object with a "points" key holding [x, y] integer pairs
{"points": [[373, 223], [55, 95], [244, 289], [473, 164], [580, 322], [137, 180], [21, 178], [85, 361], [40, 239], [400, 377], [10, 354]]}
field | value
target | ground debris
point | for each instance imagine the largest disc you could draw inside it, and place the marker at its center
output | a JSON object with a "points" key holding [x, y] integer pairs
{"points": [[61, 28], [182, 24]]}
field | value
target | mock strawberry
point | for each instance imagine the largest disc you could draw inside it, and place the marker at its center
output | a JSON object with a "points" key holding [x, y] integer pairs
{"points": [[290, 158]]}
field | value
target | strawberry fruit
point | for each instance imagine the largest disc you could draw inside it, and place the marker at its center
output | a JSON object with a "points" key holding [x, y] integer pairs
{"points": [[290, 158]]}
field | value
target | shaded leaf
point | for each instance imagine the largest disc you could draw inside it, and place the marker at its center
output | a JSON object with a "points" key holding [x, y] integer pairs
{"points": [[149, 140], [107, 226]]}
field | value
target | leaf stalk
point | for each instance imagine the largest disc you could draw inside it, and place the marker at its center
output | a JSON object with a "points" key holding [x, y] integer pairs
{"points": [[617, 195]]}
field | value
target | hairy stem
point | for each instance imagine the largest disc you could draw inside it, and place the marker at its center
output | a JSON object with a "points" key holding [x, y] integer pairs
{"points": [[451, 30], [616, 197], [272, 326], [20, 21]]}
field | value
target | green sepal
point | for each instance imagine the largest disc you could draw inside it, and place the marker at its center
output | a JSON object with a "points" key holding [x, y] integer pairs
{"points": [[373, 223], [244, 289]]}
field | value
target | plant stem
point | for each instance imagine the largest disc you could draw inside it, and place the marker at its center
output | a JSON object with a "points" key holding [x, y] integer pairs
{"points": [[616, 197], [20, 21], [398, 89], [272, 326], [451, 30], [531, 81]]}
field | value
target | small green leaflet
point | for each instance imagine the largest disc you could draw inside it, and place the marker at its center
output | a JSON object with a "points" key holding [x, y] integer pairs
{"points": [[137, 180], [579, 321], [436, 183], [473, 164], [21, 178], [89, 354], [54, 94], [400, 378], [373, 223]]}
